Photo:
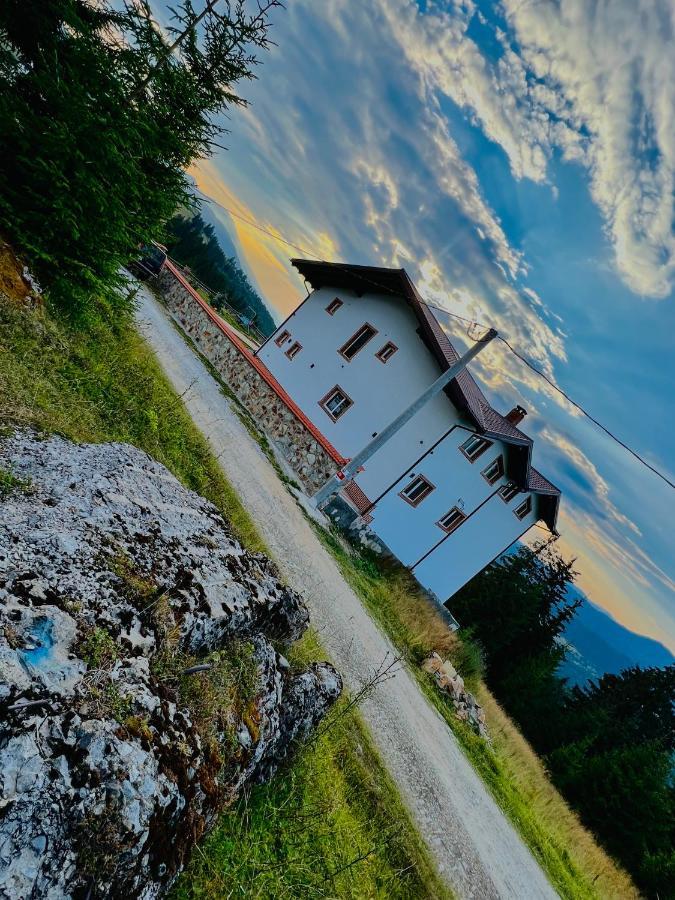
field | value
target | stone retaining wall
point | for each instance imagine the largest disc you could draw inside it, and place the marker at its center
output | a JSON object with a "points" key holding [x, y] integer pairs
{"points": [[248, 380]]}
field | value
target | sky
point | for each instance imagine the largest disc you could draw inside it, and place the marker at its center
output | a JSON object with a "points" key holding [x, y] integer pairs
{"points": [[517, 160]]}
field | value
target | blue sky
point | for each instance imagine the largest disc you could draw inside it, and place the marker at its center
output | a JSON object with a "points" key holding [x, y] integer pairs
{"points": [[517, 159]]}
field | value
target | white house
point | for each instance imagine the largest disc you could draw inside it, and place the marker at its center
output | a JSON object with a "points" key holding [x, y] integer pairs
{"points": [[455, 486]]}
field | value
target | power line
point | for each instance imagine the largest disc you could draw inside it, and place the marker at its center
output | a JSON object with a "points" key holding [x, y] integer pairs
{"points": [[576, 405], [470, 322]]}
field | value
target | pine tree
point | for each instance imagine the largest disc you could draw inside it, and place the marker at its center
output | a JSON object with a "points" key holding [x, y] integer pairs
{"points": [[518, 607], [98, 122]]}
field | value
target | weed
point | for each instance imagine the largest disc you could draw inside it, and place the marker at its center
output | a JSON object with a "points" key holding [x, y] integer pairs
{"points": [[138, 727], [332, 824], [98, 649], [9, 483], [576, 865], [96, 380]]}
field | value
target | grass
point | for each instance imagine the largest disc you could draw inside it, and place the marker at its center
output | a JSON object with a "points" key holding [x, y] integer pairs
{"points": [[574, 862], [98, 381], [9, 482], [332, 823]]}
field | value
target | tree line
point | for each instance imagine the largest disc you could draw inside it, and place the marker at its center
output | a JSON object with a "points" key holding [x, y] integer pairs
{"points": [[609, 745], [193, 242]]}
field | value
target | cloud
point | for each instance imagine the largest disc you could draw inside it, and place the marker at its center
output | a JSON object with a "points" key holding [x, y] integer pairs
{"points": [[594, 491], [594, 82], [346, 150]]}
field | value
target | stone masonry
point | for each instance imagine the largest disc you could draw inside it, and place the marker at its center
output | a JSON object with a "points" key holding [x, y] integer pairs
{"points": [[252, 384]]}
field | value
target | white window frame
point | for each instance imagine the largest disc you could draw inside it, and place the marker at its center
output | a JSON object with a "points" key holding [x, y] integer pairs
{"points": [[498, 461], [482, 445], [508, 491], [524, 508], [366, 327], [385, 353], [404, 493], [281, 339], [342, 409], [460, 517], [293, 350], [334, 305]]}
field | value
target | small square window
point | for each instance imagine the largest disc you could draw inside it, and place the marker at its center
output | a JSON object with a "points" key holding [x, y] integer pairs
{"points": [[524, 509], [333, 306], [451, 520], [385, 353], [475, 447], [508, 492], [357, 341], [293, 350], [418, 489], [336, 403], [494, 471], [282, 338]]}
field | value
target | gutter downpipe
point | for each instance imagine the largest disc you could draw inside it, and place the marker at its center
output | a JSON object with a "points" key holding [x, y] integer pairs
{"points": [[344, 476]]}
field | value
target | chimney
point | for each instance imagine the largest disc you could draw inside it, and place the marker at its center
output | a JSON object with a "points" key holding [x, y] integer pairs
{"points": [[516, 415]]}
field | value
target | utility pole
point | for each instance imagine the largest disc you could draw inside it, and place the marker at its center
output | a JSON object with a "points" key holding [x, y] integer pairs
{"points": [[345, 475]]}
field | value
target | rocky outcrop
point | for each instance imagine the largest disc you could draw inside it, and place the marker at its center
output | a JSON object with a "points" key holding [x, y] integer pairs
{"points": [[139, 685], [451, 682]]}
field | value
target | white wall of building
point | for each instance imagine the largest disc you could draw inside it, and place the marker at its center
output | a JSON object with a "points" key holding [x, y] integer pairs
{"points": [[411, 531], [380, 391], [473, 546]]}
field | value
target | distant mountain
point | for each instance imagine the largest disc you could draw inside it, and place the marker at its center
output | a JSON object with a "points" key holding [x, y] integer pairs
{"points": [[210, 216], [599, 644]]}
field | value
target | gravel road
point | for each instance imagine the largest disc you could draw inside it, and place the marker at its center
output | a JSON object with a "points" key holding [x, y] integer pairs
{"points": [[477, 850]]}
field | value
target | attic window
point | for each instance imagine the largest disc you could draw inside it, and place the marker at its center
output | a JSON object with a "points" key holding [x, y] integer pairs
{"points": [[475, 447], [418, 489], [282, 338], [508, 492], [494, 471], [333, 306], [293, 350], [524, 509], [336, 403], [385, 353], [357, 341], [451, 520]]}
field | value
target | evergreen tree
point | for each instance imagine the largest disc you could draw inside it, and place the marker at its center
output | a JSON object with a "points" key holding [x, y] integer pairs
{"points": [[98, 122], [518, 607], [194, 243], [609, 745]]}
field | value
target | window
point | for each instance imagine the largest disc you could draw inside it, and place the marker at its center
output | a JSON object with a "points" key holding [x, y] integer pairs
{"points": [[508, 492], [336, 403], [475, 447], [333, 306], [524, 509], [282, 338], [293, 350], [417, 490], [451, 520], [385, 353], [494, 471], [358, 341]]}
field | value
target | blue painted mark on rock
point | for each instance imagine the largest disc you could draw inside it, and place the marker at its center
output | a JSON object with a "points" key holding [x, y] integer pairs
{"points": [[39, 643]]}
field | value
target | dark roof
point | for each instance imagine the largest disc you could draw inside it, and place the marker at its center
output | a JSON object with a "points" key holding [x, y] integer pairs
{"points": [[463, 390]]}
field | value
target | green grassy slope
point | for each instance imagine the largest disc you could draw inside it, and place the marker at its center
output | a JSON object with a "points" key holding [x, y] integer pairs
{"points": [[331, 824]]}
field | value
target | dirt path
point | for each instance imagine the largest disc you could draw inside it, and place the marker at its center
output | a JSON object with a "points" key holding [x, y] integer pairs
{"points": [[477, 849]]}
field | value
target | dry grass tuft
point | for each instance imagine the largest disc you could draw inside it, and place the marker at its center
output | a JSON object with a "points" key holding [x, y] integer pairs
{"points": [[529, 776]]}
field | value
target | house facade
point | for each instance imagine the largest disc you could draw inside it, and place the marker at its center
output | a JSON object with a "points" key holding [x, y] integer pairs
{"points": [[455, 486]]}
